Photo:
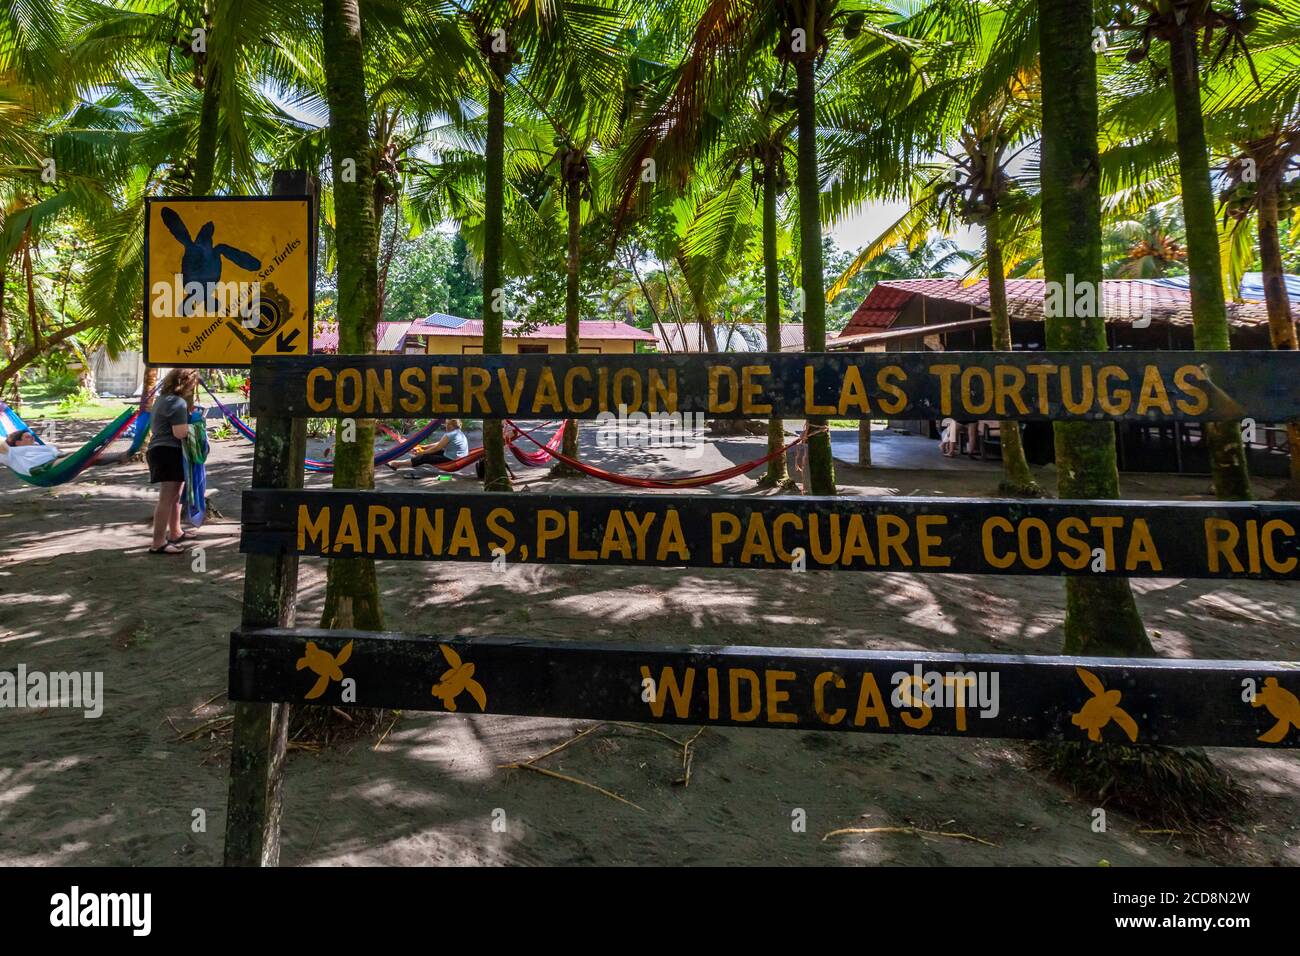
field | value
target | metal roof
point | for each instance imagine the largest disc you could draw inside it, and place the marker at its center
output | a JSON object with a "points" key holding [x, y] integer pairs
{"points": [[747, 337]]}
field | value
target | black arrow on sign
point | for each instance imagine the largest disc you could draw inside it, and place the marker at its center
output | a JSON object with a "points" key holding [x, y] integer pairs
{"points": [[284, 341]]}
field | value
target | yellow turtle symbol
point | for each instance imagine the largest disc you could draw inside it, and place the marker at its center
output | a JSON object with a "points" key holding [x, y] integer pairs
{"points": [[1281, 704], [325, 665], [1101, 709], [459, 678]]}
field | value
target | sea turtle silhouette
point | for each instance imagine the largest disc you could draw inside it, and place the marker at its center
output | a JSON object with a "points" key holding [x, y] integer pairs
{"points": [[1101, 709], [459, 678], [201, 260], [325, 665], [1283, 705]]}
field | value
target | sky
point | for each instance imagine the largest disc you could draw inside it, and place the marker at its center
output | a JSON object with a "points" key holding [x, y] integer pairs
{"points": [[872, 219]]}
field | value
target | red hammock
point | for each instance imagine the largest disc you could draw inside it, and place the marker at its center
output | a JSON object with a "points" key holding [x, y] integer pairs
{"points": [[456, 464], [667, 483], [536, 458]]}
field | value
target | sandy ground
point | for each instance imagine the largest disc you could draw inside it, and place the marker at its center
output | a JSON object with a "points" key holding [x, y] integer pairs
{"points": [[78, 591]]}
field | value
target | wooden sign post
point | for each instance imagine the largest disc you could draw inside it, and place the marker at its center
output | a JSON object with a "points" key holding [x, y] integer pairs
{"points": [[260, 738], [1216, 703]]}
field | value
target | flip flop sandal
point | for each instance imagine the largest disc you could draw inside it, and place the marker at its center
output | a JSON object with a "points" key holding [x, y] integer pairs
{"points": [[167, 549], [185, 536]]}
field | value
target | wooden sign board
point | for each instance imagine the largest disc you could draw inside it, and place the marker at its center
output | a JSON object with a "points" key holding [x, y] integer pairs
{"points": [[1147, 701], [943, 535], [227, 278], [1029, 386]]}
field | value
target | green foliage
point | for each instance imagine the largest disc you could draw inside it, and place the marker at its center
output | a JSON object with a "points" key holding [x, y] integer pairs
{"points": [[75, 399], [419, 277]]}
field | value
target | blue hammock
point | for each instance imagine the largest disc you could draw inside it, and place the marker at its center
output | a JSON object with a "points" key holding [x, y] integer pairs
{"points": [[399, 450]]}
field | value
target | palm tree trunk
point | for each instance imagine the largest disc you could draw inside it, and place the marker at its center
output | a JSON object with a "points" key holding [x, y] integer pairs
{"points": [[352, 591], [205, 154], [1281, 327], [6, 347], [572, 340], [147, 386], [29, 278], [1209, 310], [1101, 616], [495, 476], [1017, 479], [820, 464], [776, 471]]}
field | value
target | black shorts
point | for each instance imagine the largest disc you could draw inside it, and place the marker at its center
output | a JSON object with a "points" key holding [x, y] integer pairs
{"points": [[165, 464], [431, 458]]}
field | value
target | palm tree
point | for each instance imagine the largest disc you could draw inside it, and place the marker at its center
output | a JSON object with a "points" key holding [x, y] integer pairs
{"points": [[584, 115], [1101, 615], [1259, 127], [1180, 24], [1252, 121], [727, 42], [352, 592], [1147, 246], [544, 42], [981, 126]]}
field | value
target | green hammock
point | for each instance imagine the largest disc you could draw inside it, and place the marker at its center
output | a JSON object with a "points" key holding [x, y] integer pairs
{"points": [[66, 469]]}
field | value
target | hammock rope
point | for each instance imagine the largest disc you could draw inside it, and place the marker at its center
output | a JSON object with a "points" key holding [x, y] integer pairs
{"points": [[697, 481]]}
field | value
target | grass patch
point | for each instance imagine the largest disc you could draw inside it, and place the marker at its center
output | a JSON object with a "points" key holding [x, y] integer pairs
{"points": [[853, 423], [55, 401]]}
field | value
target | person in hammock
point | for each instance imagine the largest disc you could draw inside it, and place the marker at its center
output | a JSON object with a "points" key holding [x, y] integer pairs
{"points": [[169, 427], [24, 454], [452, 446]]}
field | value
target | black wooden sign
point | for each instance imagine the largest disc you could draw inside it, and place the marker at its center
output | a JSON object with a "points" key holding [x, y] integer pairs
{"points": [[947, 535], [1057, 386], [1147, 701]]}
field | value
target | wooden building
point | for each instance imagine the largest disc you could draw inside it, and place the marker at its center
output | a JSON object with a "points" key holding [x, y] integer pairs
{"points": [[952, 315]]}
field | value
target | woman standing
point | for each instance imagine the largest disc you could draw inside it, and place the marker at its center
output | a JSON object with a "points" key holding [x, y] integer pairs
{"points": [[169, 427]]}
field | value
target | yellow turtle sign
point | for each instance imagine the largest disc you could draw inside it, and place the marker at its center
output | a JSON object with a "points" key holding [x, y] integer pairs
{"points": [[227, 278]]}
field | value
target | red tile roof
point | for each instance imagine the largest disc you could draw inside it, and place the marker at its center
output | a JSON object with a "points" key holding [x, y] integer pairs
{"points": [[1124, 299], [879, 308]]}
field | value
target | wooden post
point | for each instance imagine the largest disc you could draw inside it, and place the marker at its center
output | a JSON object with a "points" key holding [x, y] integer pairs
{"points": [[270, 599], [864, 443]]}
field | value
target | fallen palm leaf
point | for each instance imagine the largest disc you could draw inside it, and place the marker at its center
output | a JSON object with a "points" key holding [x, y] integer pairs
{"points": [[914, 831]]}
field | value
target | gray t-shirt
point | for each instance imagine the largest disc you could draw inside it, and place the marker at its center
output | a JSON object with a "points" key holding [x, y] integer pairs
{"points": [[168, 410], [457, 444]]}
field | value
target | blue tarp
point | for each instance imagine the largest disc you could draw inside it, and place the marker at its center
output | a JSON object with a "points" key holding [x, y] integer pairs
{"points": [[1252, 286]]}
